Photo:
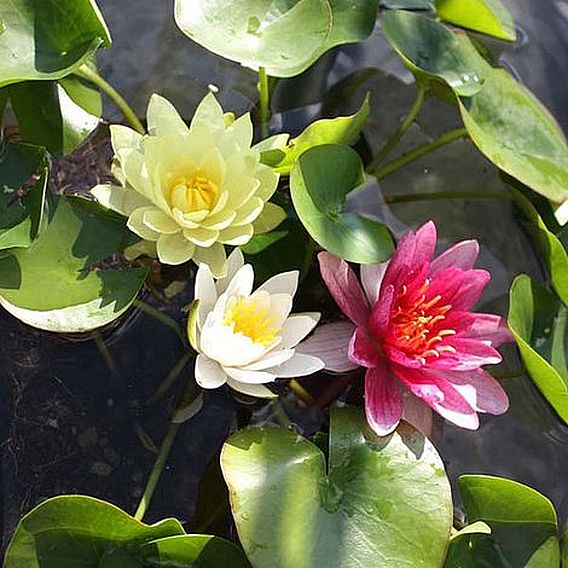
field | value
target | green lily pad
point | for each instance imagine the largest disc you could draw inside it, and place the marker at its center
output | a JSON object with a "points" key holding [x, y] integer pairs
{"points": [[340, 130], [55, 284], [75, 530], [320, 182], [489, 17], [550, 246], [523, 526], [504, 120], [203, 551], [378, 500], [433, 52], [51, 114], [264, 33], [537, 319], [21, 218], [47, 39]]}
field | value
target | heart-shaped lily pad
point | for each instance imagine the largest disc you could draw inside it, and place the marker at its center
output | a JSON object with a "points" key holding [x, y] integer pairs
{"points": [[74, 530], [380, 502], [47, 39], [56, 285]]}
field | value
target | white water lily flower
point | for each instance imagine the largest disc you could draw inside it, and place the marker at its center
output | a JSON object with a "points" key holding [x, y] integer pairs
{"points": [[247, 338], [190, 191]]}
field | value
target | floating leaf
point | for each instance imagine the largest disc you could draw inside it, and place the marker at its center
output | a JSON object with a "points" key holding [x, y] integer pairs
{"points": [[380, 498], [537, 319], [21, 219], [49, 116], [550, 246], [434, 53], [54, 284], [340, 130], [264, 33], [523, 526], [504, 120], [75, 530], [193, 550], [48, 39], [320, 182], [489, 17]]}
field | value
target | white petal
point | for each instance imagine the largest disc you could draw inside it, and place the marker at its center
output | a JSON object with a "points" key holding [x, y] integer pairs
{"points": [[296, 327], [205, 292], [259, 391], [271, 359], [283, 283], [208, 373], [254, 377], [330, 343], [299, 365], [371, 278], [174, 249], [242, 282], [235, 262], [280, 307]]}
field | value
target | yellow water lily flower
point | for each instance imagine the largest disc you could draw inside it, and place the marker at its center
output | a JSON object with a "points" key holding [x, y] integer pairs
{"points": [[190, 191], [246, 338]]}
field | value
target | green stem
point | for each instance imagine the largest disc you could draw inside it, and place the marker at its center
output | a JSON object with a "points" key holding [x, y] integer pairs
{"points": [[91, 75], [264, 101], [418, 152], [404, 126], [162, 318], [439, 195], [157, 471]]}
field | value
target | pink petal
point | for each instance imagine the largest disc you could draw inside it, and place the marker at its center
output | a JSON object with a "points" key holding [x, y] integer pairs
{"points": [[330, 343], [381, 313], [462, 255], [400, 262], [371, 278], [425, 243], [461, 289], [480, 389], [417, 413], [470, 354], [489, 327], [363, 349], [344, 287], [397, 356], [383, 401], [440, 395]]}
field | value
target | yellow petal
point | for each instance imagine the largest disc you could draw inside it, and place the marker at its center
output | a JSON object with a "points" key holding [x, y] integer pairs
{"points": [[124, 138], [268, 182], [236, 236], [141, 248], [123, 200], [163, 118], [209, 115], [272, 215], [136, 224], [174, 249], [160, 222], [201, 237], [214, 256]]}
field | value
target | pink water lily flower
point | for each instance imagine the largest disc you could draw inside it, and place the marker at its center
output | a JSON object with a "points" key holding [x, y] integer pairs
{"points": [[411, 328]]}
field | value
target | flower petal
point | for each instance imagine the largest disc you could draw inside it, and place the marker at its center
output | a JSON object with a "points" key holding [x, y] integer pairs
{"points": [[489, 327], [235, 262], [174, 249], [417, 413], [236, 235], [208, 114], [460, 288], [371, 278], [124, 138], [136, 224], [163, 118], [271, 359], [296, 327], [242, 282], [272, 215], [299, 365], [363, 349], [160, 222], [280, 308], [253, 377], [214, 256], [205, 292], [462, 255], [283, 283], [201, 236], [208, 373], [330, 343], [381, 313], [344, 287], [259, 391], [383, 401], [467, 355], [425, 243], [123, 200]]}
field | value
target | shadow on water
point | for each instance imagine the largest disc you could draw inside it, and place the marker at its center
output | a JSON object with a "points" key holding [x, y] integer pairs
{"points": [[72, 425]]}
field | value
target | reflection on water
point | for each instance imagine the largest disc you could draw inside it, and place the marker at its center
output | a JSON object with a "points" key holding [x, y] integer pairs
{"points": [[71, 424]]}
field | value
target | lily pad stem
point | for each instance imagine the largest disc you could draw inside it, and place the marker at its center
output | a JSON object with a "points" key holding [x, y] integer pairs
{"points": [[264, 101], [91, 75], [159, 465], [404, 126], [418, 152], [162, 318]]}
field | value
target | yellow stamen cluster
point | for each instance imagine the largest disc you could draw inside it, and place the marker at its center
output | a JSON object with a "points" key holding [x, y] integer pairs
{"points": [[194, 193], [247, 316]]}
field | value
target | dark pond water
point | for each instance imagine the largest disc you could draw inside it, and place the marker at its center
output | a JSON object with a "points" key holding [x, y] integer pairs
{"points": [[75, 414]]}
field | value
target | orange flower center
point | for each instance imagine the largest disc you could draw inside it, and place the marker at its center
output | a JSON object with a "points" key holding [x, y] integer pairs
{"points": [[418, 324]]}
